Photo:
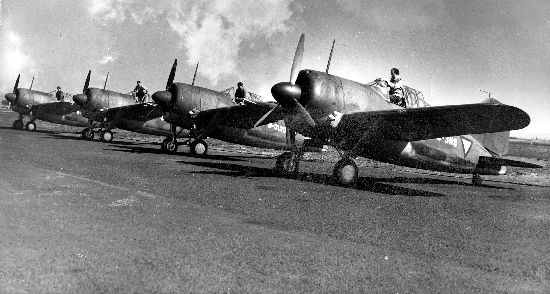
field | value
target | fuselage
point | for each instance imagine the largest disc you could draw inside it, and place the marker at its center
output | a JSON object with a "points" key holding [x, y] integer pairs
{"points": [[189, 98], [323, 94], [151, 123], [47, 108]]}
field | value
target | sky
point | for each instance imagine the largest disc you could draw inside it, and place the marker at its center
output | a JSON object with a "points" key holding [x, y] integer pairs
{"points": [[454, 52]]}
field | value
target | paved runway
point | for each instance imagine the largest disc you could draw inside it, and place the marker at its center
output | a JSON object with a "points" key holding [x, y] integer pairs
{"points": [[89, 217]]}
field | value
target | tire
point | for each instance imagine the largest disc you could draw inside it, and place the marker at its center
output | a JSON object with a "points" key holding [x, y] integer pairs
{"points": [[30, 126], [18, 124], [477, 180], [164, 144], [346, 172], [83, 133], [198, 148], [106, 136], [89, 135], [286, 166], [172, 146]]}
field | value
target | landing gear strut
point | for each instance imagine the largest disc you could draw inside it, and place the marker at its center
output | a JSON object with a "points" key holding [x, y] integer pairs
{"points": [[288, 164], [477, 180]]}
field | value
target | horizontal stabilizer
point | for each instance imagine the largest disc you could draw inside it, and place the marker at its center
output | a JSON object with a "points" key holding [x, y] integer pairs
{"points": [[486, 161]]}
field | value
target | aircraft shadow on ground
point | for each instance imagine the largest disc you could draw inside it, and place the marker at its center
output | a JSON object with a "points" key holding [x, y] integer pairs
{"points": [[371, 184], [142, 150], [76, 136]]}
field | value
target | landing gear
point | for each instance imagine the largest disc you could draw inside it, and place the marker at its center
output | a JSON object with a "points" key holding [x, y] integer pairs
{"points": [[88, 134], [83, 133], [288, 164], [106, 136], [30, 126], [346, 172], [165, 143], [18, 124], [477, 180], [172, 146], [198, 148]]}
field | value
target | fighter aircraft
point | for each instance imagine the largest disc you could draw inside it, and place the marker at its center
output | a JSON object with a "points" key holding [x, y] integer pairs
{"points": [[107, 110], [41, 106], [208, 113], [357, 120]]}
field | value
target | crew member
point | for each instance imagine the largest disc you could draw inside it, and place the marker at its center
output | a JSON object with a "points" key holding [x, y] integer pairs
{"points": [[240, 93], [140, 92], [395, 88], [59, 94]]}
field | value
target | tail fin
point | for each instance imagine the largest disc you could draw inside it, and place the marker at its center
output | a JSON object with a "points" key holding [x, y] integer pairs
{"points": [[497, 143]]}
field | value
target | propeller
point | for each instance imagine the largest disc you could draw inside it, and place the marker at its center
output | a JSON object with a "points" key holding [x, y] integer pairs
{"points": [[81, 99], [12, 96], [287, 94], [172, 75]]}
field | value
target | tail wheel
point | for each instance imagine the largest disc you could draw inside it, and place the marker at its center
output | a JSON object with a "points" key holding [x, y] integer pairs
{"points": [[164, 144], [18, 124], [30, 126], [106, 136], [286, 165], [172, 146], [198, 148], [89, 135], [346, 172]]}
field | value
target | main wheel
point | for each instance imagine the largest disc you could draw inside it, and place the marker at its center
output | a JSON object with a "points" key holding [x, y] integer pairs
{"points": [[18, 124], [286, 166], [172, 146], [30, 126], [346, 172], [198, 148], [477, 180], [89, 134], [106, 136], [164, 144], [83, 133]]}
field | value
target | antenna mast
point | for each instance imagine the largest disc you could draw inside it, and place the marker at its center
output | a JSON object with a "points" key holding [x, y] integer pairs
{"points": [[105, 85]]}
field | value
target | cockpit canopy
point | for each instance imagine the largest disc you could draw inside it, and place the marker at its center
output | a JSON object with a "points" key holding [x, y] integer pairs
{"points": [[413, 97]]}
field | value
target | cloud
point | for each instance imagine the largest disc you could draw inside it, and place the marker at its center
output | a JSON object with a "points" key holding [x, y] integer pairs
{"points": [[15, 61], [397, 15], [107, 59], [211, 32]]}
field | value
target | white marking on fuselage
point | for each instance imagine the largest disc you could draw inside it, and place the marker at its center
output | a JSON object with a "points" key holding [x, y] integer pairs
{"points": [[276, 127], [451, 141], [467, 145]]}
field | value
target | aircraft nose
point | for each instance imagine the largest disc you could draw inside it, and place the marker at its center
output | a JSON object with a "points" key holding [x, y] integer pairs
{"points": [[162, 98], [286, 93], [80, 99], [10, 97]]}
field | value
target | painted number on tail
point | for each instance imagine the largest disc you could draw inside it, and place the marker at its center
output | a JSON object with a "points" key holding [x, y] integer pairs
{"points": [[276, 127], [452, 141]]}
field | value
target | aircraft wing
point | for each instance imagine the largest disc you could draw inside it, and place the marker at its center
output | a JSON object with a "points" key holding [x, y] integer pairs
{"points": [[58, 108], [139, 112], [239, 116], [413, 124]]}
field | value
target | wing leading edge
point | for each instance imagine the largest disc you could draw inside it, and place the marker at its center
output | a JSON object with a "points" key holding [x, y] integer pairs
{"points": [[414, 124]]}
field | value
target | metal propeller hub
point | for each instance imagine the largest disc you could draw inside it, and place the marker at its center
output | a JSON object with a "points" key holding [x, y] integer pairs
{"points": [[286, 93], [80, 99], [10, 97], [163, 99]]}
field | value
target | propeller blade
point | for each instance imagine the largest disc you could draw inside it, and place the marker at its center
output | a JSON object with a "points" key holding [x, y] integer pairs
{"points": [[297, 62], [303, 113], [172, 75], [16, 83], [87, 82], [266, 115]]}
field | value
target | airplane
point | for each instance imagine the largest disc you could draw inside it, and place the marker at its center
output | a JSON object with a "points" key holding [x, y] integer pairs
{"points": [[106, 110], [209, 113], [42, 106], [357, 120]]}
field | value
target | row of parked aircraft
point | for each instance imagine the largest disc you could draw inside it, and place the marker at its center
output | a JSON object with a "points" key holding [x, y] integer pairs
{"points": [[313, 109]]}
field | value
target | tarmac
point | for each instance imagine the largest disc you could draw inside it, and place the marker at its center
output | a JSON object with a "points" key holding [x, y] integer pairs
{"points": [[91, 217]]}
